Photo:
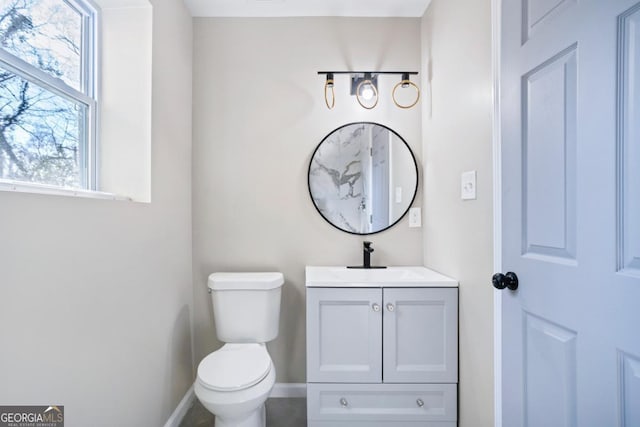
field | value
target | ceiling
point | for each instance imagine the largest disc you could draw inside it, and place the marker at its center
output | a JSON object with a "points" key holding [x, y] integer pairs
{"points": [[282, 8]]}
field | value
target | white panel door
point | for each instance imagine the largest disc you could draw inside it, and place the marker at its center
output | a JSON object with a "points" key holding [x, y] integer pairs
{"points": [[344, 335], [570, 138], [420, 330]]}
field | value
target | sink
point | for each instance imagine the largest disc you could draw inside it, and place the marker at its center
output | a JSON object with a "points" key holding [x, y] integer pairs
{"points": [[400, 277]]}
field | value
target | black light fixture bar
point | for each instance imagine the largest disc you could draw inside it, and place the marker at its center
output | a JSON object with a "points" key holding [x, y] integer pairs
{"points": [[364, 85], [370, 72]]}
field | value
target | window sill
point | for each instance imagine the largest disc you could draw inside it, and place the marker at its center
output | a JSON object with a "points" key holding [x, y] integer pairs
{"points": [[27, 187]]}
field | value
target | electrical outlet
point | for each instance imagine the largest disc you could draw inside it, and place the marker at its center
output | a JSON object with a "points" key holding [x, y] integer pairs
{"points": [[415, 217], [468, 185]]}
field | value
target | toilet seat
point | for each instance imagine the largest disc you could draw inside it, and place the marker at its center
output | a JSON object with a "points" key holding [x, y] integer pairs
{"points": [[234, 367]]}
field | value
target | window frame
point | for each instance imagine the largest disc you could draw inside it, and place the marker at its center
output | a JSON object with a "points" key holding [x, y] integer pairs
{"points": [[87, 95]]}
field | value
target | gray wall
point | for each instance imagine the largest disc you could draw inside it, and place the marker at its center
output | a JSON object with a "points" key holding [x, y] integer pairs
{"points": [[456, 49], [95, 295], [259, 113]]}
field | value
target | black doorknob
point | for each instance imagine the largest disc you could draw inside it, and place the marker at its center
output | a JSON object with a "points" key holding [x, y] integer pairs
{"points": [[501, 281]]}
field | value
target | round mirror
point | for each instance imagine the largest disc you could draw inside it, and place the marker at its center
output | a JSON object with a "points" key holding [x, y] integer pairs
{"points": [[363, 178]]}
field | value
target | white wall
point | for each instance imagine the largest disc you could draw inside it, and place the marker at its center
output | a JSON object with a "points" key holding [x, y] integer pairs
{"points": [[456, 52], [95, 295], [125, 99], [401, 177], [259, 112]]}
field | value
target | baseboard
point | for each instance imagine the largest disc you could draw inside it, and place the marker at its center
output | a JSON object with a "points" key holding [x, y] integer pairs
{"points": [[285, 390], [181, 410], [280, 390]]}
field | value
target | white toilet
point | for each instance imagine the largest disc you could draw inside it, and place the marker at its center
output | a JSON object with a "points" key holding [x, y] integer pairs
{"points": [[234, 382]]}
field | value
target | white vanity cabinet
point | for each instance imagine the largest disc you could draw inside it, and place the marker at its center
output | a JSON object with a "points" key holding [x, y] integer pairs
{"points": [[344, 335], [381, 352]]}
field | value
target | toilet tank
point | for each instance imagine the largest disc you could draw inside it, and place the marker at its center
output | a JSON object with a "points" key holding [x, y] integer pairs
{"points": [[246, 306]]}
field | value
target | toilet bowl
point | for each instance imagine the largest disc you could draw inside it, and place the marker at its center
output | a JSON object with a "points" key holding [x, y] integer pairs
{"points": [[234, 382]]}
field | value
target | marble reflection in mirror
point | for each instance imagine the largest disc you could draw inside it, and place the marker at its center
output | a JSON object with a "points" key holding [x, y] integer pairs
{"points": [[363, 178]]}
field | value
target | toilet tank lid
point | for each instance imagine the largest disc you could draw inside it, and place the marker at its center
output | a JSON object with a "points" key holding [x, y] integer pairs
{"points": [[245, 281]]}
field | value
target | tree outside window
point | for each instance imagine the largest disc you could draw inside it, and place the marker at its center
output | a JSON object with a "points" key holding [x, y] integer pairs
{"points": [[47, 97]]}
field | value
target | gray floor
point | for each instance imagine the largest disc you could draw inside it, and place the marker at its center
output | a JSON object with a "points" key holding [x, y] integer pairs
{"points": [[280, 413]]}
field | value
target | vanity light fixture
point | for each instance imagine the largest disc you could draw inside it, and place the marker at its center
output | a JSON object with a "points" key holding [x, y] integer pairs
{"points": [[329, 85], [364, 85], [367, 90], [405, 83]]}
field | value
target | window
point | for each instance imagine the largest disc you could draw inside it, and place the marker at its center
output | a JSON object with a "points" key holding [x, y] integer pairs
{"points": [[48, 92]]}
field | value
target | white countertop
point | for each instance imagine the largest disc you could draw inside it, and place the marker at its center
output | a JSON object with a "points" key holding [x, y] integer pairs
{"points": [[390, 277]]}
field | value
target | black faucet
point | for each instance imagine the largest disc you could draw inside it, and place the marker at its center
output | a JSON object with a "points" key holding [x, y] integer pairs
{"points": [[366, 257], [366, 254]]}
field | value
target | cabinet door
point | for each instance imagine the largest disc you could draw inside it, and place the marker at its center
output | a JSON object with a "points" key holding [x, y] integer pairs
{"points": [[344, 335], [420, 335]]}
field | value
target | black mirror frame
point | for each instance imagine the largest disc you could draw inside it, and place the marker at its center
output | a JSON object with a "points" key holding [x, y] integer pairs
{"points": [[415, 164]]}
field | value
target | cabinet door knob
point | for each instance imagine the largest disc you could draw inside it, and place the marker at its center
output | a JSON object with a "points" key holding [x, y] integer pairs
{"points": [[376, 306], [343, 402], [390, 307], [420, 403]]}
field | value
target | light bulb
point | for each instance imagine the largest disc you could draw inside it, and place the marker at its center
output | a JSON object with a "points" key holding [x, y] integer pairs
{"points": [[367, 92]]}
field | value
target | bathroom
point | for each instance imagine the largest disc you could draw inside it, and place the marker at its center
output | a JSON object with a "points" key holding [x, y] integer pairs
{"points": [[104, 306]]}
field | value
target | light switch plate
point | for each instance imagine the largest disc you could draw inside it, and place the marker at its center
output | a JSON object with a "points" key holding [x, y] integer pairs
{"points": [[415, 217], [468, 185]]}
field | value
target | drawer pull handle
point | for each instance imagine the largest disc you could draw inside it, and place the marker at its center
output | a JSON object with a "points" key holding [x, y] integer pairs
{"points": [[376, 306], [343, 402], [420, 402], [390, 307]]}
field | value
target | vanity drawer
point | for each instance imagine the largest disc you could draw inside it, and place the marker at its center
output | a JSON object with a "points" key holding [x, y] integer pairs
{"points": [[381, 404]]}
